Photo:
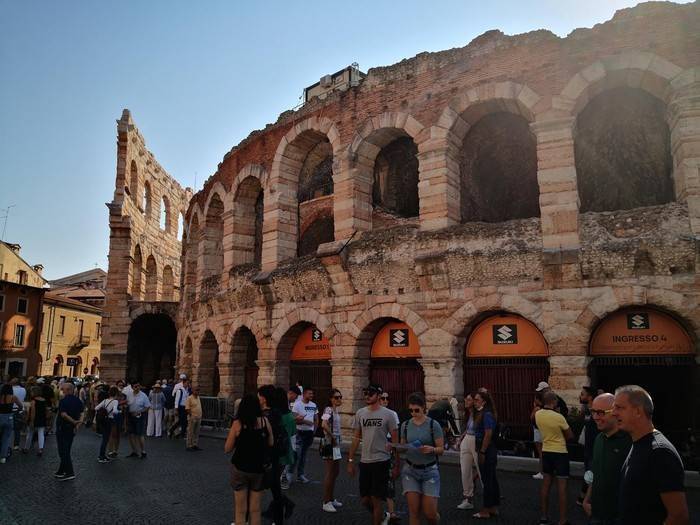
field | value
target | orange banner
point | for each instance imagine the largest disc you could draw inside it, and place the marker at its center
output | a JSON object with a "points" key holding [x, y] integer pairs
{"points": [[311, 346], [396, 339], [640, 331], [506, 336]]}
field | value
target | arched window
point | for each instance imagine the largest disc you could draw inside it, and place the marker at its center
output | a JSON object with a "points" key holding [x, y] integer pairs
{"points": [[498, 169], [623, 152], [147, 200], [213, 261], [180, 226], [248, 207], [395, 187], [316, 175], [165, 214]]}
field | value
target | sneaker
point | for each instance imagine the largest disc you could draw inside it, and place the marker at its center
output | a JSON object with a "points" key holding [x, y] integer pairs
{"points": [[58, 475], [102, 460], [336, 503], [466, 504], [538, 476], [2, 460], [112, 454], [40, 453], [284, 484], [66, 477], [16, 447], [387, 516], [328, 507], [143, 455], [303, 479]]}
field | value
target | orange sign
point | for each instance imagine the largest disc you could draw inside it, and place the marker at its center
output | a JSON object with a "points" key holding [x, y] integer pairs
{"points": [[311, 346], [506, 336], [640, 331], [396, 339]]}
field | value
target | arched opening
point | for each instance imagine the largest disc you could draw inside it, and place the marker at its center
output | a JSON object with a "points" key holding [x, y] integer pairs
{"points": [[134, 182], [213, 252], [151, 343], [180, 227], [58, 365], [394, 363], [94, 366], [76, 365], [308, 352], [498, 168], [622, 151], [248, 209], [147, 204], [650, 348], [191, 260], [244, 362], [136, 274], [168, 285], [320, 231], [508, 355], [395, 187], [208, 367], [151, 279], [165, 221], [316, 174]]}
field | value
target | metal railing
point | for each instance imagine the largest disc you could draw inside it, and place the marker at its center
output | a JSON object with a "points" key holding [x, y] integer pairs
{"points": [[216, 411]]}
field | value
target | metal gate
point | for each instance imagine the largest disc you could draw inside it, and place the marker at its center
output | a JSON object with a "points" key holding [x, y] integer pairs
{"points": [[313, 374], [512, 382], [398, 377]]}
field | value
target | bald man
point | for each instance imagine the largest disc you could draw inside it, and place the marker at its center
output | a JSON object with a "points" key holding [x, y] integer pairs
{"points": [[610, 450]]}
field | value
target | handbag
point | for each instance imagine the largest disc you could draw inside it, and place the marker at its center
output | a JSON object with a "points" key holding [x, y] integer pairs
{"points": [[325, 448]]}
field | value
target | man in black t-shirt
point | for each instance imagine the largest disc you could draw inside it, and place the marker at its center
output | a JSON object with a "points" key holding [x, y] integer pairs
{"points": [[652, 486], [69, 418]]}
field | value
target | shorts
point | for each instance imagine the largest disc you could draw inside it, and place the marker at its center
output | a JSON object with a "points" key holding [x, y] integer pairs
{"points": [[424, 481], [374, 479], [555, 464], [254, 481], [536, 436], [137, 425]]}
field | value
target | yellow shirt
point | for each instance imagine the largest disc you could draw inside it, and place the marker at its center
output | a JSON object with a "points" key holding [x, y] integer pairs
{"points": [[552, 426], [194, 406]]}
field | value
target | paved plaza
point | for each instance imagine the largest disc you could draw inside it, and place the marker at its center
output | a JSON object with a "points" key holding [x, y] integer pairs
{"points": [[173, 487]]}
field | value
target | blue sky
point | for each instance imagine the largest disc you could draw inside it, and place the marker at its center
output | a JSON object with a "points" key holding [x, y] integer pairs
{"points": [[197, 77]]}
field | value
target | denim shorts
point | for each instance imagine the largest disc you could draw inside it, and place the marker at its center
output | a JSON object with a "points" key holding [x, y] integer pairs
{"points": [[424, 481]]}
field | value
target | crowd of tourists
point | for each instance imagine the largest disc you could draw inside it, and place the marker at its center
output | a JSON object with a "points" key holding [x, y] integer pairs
{"points": [[633, 474]]}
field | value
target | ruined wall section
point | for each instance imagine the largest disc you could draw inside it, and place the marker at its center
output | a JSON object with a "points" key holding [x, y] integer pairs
{"points": [[145, 247]]}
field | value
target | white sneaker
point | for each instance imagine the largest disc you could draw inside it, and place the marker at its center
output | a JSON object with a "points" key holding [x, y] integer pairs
{"points": [[538, 476], [336, 503], [328, 507], [385, 521], [2, 460], [303, 479], [466, 504]]}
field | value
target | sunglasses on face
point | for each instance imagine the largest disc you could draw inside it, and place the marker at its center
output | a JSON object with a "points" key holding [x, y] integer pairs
{"points": [[601, 413], [337, 397], [415, 410], [369, 393]]}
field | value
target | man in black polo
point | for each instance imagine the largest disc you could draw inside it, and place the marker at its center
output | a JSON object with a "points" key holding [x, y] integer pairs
{"points": [[70, 410], [610, 450], [652, 487]]}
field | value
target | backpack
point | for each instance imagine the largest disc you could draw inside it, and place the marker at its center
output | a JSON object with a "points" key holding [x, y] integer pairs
{"points": [[279, 433], [102, 415]]}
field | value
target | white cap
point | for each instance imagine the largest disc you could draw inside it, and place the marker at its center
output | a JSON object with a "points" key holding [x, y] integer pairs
{"points": [[183, 376], [41, 380], [541, 386]]}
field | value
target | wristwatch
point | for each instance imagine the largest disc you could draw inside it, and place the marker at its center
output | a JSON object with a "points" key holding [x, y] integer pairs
{"points": [[350, 460]]}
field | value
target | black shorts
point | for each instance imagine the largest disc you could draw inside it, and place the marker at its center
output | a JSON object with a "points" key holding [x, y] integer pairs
{"points": [[555, 464], [374, 479], [137, 425]]}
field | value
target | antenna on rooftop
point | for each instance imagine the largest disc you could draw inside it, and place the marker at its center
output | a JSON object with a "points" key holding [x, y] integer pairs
{"points": [[6, 216]]}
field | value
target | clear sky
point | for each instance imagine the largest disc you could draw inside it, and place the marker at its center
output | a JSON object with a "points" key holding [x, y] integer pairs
{"points": [[198, 77]]}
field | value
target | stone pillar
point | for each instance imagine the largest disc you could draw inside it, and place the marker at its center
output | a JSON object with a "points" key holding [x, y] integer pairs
{"points": [[203, 376], [443, 378], [567, 374], [350, 376], [352, 196], [439, 181], [684, 124], [273, 372], [231, 377], [227, 247]]}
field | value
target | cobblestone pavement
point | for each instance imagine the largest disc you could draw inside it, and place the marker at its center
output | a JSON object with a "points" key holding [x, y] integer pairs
{"points": [[173, 486]]}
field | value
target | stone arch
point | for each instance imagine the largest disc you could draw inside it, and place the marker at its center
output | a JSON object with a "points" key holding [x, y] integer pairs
{"points": [[248, 214], [282, 339], [206, 373], [217, 190], [242, 367], [151, 279], [516, 101], [281, 198], [168, 284], [136, 274], [366, 326], [213, 237], [384, 155], [151, 346]]}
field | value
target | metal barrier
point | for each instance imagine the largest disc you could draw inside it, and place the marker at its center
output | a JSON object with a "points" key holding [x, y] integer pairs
{"points": [[217, 412]]}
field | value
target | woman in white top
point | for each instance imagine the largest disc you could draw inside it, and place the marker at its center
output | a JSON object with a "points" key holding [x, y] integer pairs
{"points": [[105, 412], [330, 449]]}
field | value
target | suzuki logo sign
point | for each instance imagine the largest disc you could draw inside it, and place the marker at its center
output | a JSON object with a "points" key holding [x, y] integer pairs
{"points": [[398, 338], [505, 334], [638, 321]]}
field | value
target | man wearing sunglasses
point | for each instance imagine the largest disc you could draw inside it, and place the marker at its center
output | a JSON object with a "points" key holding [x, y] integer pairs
{"points": [[372, 424], [610, 449]]}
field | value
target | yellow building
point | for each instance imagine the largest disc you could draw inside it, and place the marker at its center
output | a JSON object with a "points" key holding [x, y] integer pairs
{"points": [[70, 337]]}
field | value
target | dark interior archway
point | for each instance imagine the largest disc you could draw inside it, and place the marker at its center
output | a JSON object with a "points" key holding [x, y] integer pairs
{"points": [[151, 348]]}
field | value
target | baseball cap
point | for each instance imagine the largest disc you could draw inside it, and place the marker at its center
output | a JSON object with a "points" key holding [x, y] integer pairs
{"points": [[373, 388], [541, 386], [183, 376]]}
